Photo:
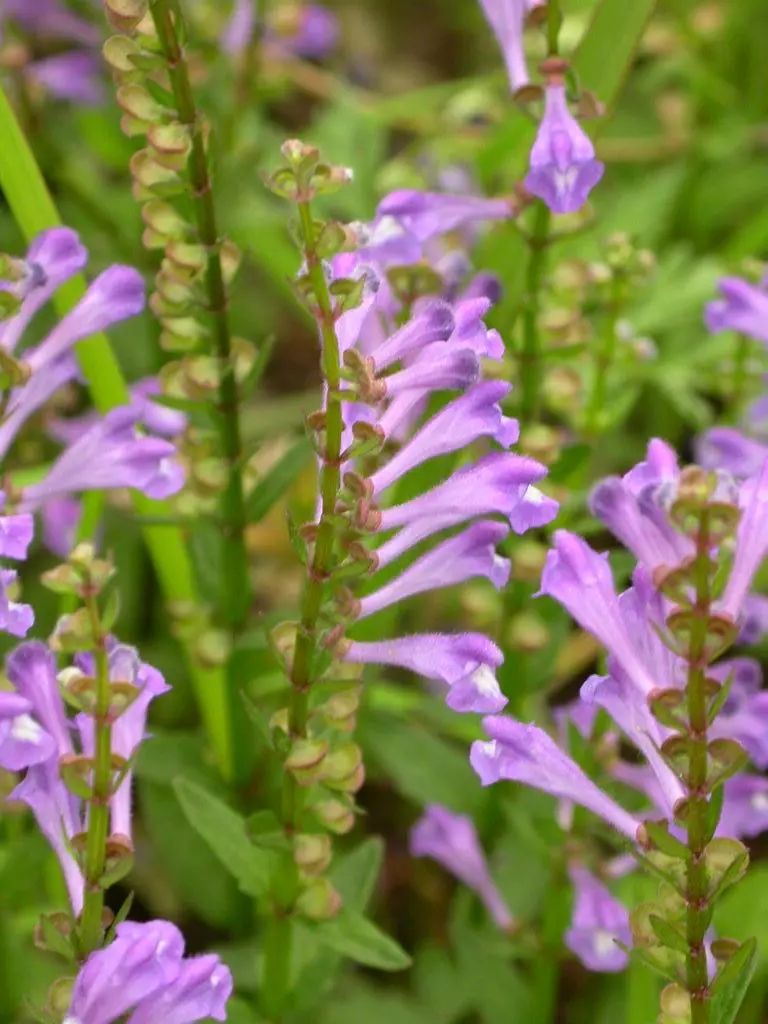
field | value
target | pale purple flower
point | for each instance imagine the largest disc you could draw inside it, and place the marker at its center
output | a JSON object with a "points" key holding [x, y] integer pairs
{"points": [[471, 331], [23, 741], [16, 532], [432, 322], [563, 166], [474, 414], [754, 619], [74, 76], [507, 19], [728, 449], [452, 841], [745, 807], [143, 974], [525, 753], [499, 483], [743, 307], [468, 555], [111, 454], [239, 29], [315, 35], [438, 367], [15, 618], [31, 669], [751, 542], [51, 18], [580, 579], [464, 662], [426, 215], [156, 417], [58, 819], [60, 517], [598, 923], [130, 729], [629, 710], [744, 716]]}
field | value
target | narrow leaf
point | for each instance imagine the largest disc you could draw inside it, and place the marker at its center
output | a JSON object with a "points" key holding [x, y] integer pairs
{"points": [[607, 50], [224, 830], [278, 480], [356, 937], [731, 983]]}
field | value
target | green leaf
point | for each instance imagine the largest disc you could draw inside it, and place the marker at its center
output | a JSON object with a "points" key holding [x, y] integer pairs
{"points": [[731, 983], [356, 937], [278, 480], [356, 873], [224, 830], [607, 50]]}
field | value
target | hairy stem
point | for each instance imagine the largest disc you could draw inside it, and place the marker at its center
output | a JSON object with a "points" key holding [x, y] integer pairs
{"points": [[698, 912], [91, 930], [277, 952], [530, 356]]}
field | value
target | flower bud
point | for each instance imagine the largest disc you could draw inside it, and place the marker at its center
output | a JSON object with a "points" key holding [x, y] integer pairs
{"points": [[335, 815], [119, 860], [60, 998], [306, 761], [125, 15], [76, 772], [171, 143], [312, 853], [319, 901]]}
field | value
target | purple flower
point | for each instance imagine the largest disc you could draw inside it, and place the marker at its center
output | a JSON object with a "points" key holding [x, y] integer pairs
{"points": [[499, 483], [74, 76], [16, 534], [23, 741], [563, 167], [598, 923], [31, 669], [472, 415], [432, 322], [507, 19], [729, 449], [754, 619], [526, 754], [238, 31], [15, 618], [60, 517], [470, 330], [130, 728], [464, 662], [751, 542], [51, 19], [314, 35], [743, 308], [111, 454], [452, 841], [438, 367], [468, 555], [744, 716], [580, 579], [426, 215], [57, 817], [144, 974], [745, 807], [629, 710]]}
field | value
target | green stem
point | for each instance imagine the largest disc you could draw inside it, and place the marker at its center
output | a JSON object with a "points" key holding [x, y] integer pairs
{"points": [[91, 930], [740, 376], [554, 21], [698, 913], [235, 583], [530, 356], [34, 211], [277, 953]]}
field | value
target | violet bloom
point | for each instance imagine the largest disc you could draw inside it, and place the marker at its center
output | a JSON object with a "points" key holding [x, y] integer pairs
{"points": [[745, 807], [469, 555], [743, 307], [143, 974], [464, 662], [473, 415], [112, 454], [580, 579], [751, 542], [426, 215], [744, 716], [23, 741], [727, 448], [130, 729], [74, 76], [52, 19], [599, 922], [430, 323], [60, 518], [563, 168], [499, 483], [314, 34], [507, 19], [15, 618], [754, 619], [438, 367], [526, 754], [452, 841], [239, 29]]}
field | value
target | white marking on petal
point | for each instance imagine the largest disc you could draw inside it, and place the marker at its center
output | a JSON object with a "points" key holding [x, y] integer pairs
{"points": [[485, 681], [603, 942], [25, 729], [533, 495], [759, 802]]}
